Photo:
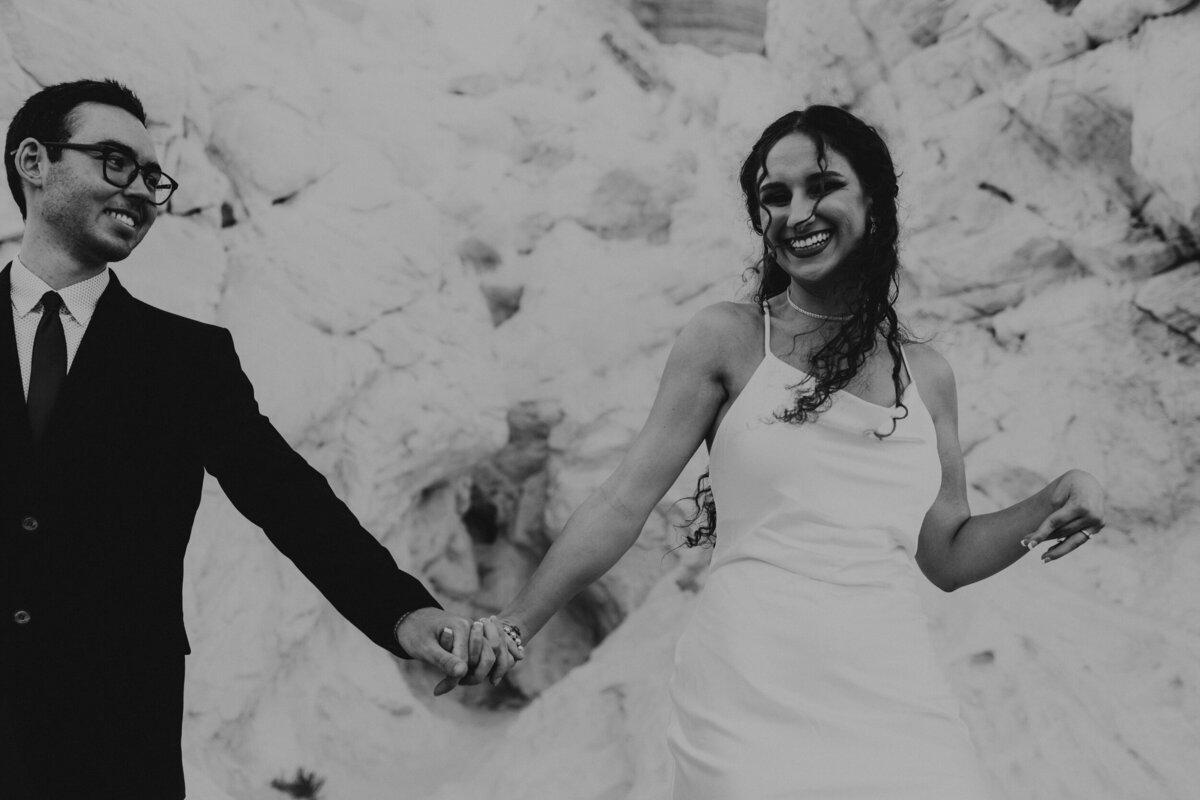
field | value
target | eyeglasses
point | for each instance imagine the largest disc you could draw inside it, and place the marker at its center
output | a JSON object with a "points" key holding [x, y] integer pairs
{"points": [[121, 169]]}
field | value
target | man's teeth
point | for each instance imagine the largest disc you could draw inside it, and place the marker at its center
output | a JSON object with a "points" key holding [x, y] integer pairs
{"points": [[123, 217], [812, 240]]}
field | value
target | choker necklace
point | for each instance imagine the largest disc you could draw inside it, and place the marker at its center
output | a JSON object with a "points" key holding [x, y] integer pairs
{"points": [[825, 317]]}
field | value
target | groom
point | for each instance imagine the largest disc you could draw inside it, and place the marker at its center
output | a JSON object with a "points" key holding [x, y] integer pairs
{"points": [[110, 413]]}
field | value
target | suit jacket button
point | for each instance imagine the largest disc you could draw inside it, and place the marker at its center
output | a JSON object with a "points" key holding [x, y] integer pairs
{"points": [[21, 617], [30, 524]]}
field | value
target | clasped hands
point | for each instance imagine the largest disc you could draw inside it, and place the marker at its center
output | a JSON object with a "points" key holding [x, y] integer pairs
{"points": [[463, 651]]}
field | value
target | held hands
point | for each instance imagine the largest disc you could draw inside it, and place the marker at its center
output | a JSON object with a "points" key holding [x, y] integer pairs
{"points": [[464, 652], [1078, 501], [494, 648]]}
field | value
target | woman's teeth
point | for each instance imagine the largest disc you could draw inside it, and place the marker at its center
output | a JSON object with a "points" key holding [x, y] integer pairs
{"points": [[807, 245]]}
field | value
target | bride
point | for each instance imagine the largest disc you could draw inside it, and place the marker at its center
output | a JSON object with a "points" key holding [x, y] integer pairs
{"points": [[806, 670]]}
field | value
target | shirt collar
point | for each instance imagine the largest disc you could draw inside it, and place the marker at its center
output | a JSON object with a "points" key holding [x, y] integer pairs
{"points": [[79, 299]]}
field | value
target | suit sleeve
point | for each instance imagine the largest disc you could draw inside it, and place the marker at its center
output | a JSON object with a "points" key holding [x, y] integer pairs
{"points": [[276, 489]]}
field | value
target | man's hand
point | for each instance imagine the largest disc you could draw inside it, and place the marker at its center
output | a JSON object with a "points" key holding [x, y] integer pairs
{"points": [[491, 652], [421, 634]]}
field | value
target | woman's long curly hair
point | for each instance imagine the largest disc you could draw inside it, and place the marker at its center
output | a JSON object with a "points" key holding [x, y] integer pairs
{"points": [[870, 273]]}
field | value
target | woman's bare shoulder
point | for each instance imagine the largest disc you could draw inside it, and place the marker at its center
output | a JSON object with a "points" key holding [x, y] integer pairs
{"points": [[728, 317], [724, 328], [724, 320]]}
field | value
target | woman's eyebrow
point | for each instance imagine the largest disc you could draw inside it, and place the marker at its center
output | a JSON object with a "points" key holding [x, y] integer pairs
{"points": [[814, 176]]}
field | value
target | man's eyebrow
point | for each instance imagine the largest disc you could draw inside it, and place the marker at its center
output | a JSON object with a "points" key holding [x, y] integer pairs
{"points": [[829, 173], [127, 150]]}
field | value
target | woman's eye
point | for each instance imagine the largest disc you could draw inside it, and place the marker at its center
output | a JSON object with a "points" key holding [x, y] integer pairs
{"points": [[822, 188], [774, 199]]}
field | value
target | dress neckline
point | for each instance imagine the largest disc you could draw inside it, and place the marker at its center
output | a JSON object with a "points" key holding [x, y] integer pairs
{"points": [[910, 395], [769, 353], [808, 377]]}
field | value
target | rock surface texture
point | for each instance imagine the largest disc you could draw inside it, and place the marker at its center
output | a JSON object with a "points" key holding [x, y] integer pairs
{"points": [[454, 240]]}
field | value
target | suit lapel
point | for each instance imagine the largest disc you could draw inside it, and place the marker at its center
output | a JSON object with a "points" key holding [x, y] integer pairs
{"points": [[14, 416]]}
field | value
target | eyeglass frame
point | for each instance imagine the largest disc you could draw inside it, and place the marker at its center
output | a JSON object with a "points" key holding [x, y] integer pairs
{"points": [[105, 150]]}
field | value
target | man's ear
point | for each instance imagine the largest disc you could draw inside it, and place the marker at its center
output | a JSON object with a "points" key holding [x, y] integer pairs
{"points": [[28, 160]]}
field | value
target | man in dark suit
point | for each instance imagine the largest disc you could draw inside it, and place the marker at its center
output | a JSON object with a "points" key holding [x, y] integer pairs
{"points": [[110, 413]]}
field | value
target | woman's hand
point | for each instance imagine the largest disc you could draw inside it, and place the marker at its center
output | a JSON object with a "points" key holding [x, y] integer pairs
{"points": [[1078, 501], [492, 650]]}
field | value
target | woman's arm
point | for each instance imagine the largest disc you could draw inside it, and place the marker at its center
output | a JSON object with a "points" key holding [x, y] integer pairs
{"points": [[956, 548], [690, 394]]}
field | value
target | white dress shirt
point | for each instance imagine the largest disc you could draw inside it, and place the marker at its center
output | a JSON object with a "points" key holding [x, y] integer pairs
{"points": [[79, 303]]}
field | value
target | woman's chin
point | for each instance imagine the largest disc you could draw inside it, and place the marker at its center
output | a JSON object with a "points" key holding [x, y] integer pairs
{"points": [[815, 270]]}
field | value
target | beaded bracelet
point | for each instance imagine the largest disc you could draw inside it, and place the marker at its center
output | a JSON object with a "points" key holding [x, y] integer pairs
{"points": [[396, 629]]}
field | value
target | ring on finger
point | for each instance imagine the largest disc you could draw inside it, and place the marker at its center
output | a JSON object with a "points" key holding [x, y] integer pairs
{"points": [[1088, 532], [513, 632]]}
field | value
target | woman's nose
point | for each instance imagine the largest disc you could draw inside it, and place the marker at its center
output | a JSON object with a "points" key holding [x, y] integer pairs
{"points": [[801, 211]]}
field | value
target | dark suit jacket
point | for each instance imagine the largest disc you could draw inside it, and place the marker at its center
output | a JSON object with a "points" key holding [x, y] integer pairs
{"points": [[93, 527]]}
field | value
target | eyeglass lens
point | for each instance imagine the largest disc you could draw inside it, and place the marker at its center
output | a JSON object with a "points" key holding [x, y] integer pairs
{"points": [[121, 170]]}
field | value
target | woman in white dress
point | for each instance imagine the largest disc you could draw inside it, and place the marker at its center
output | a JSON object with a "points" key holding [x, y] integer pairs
{"points": [[806, 670]]}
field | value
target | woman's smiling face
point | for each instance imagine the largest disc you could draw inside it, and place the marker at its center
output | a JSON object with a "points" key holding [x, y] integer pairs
{"points": [[812, 210]]}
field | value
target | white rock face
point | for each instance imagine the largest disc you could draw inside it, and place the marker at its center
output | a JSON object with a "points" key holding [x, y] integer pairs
{"points": [[1108, 19], [836, 63], [1174, 299], [454, 240], [1163, 149], [718, 26]]}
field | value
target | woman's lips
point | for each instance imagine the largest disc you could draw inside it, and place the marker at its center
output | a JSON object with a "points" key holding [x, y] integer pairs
{"points": [[808, 245]]}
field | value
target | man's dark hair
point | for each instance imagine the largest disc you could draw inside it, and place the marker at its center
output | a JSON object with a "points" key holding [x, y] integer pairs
{"points": [[49, 116]]}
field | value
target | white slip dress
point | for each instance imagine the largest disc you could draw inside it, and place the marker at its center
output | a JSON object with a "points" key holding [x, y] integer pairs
{"points": [[807, 671]]}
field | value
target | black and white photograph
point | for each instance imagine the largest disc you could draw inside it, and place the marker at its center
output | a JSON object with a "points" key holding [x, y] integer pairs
{"points": [[600, 400]]}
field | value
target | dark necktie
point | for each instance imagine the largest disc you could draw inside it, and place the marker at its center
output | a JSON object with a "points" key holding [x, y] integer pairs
{"points": [[49, 364]]}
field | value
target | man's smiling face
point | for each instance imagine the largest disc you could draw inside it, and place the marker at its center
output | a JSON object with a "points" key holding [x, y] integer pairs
{"points": [[93, 220]]}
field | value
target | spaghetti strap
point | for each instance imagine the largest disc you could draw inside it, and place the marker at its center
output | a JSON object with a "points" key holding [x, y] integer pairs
{"points": [[907, 368], [767, 331]]}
